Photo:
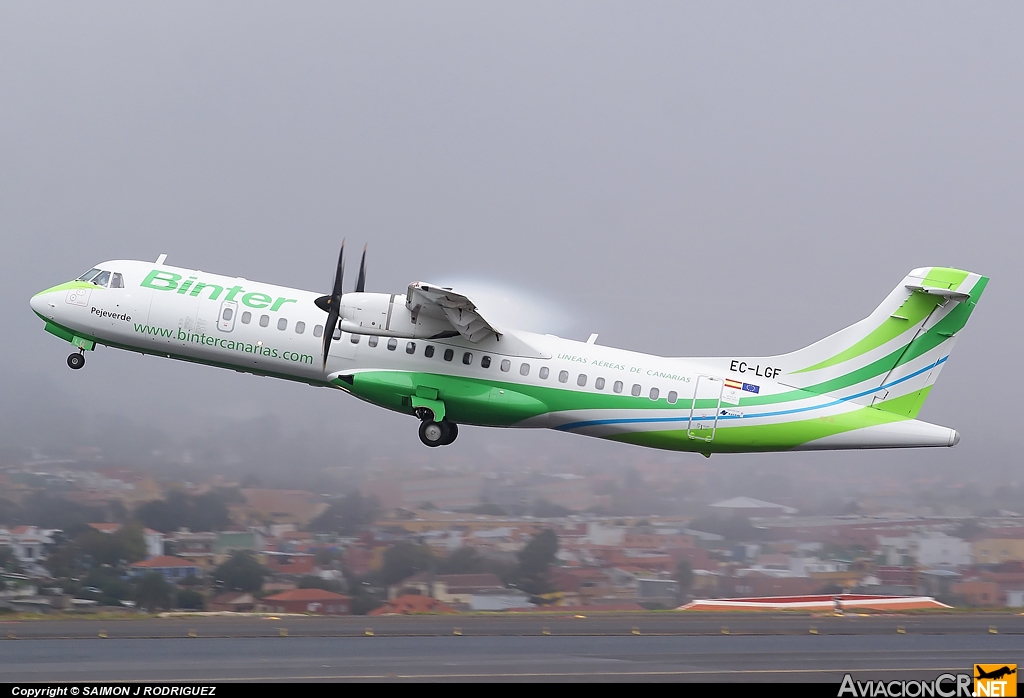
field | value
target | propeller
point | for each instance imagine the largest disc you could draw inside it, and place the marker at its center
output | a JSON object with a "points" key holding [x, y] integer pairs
{"points": [[332, 303], [361, 281]]}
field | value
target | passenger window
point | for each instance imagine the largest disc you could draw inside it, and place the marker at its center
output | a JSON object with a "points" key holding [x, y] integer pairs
{"points": [[282, 324], [617, 387], [247, 318], [636, 390], [581, 380], [264, 320], [449, 354], [89, 274], [524, 370], [318, 330], [429, 351], [354, 338], [227, 314], [485, 362], [117, 281], [672, 397], [467, 358], [544, 372], [337, 332], [300, 327], [563, 376], [654, 393], [506, 365], [599, 384], [102, 279], [392, 344], [410, 348], [372, 341]]}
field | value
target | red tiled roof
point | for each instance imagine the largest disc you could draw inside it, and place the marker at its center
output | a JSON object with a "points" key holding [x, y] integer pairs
{"points": [[306, 595]]}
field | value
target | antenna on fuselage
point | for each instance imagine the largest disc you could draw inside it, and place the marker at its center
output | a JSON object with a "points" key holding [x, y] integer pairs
{"points": [[161, 258]]}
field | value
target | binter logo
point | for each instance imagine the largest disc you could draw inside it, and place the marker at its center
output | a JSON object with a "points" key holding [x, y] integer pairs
{"points": [[995, 680], [169, 281]]}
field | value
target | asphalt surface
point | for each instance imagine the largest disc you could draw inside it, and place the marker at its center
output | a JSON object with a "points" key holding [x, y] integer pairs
{"points": [[597, 647]]}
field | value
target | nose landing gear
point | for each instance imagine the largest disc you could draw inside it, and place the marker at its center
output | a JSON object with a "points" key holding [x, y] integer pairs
{"points": [[436, 433], [76, 361]]}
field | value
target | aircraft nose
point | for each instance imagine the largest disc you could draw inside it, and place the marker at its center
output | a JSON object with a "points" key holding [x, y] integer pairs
{"points": [[43, 304]]}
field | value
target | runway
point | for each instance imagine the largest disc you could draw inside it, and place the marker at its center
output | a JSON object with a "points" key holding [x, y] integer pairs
{"points": [[618, 647]]}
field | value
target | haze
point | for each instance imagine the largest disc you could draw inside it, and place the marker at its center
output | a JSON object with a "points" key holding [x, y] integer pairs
{"points": [[682, 178]]}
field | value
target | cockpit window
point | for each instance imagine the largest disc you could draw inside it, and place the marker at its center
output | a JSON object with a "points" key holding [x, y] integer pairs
{"points": [[103, 279], [89, 274], [117, 281]]}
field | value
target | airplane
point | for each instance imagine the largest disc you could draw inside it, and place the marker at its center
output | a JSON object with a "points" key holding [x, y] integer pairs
{"points": [[432, 353]]}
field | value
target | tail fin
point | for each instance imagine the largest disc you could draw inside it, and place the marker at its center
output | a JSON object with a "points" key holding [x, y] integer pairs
{"points": [[891, 358]]}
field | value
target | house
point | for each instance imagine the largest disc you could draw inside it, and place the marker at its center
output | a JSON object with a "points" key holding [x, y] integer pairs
{"points": [[174, 569], [236, 601], [28, 543], [315, 601], [448, 588]]}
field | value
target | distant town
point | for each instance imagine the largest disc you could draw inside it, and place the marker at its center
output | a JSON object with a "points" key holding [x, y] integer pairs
{"points": [[81, 536]]}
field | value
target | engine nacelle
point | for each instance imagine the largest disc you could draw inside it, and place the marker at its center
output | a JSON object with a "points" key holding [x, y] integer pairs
{"points": [[386, 314]]}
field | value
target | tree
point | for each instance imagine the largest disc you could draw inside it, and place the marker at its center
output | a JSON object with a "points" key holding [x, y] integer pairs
{"points": [[543, 509], [126, 544], [190, 599], [152, 591], [242, 572], [348, 514], [535, 559], [205, 512], [311, 582], [465, 560], [405, 559], [684, 577]]}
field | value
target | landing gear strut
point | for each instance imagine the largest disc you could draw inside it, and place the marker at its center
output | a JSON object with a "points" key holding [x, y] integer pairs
{"points": [[76, 361], [438, 433]]}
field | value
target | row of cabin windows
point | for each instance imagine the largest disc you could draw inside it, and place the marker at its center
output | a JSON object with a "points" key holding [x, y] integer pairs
{"points": [[524, 368], [282, 323], [449, 355]]}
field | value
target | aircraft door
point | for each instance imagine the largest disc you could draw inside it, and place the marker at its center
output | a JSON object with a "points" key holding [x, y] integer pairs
{"points": [[226, 319], [707, 400]]}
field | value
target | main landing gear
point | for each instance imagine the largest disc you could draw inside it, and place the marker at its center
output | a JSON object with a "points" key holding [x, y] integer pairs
{"points": [[76, 361], [436, 433]]}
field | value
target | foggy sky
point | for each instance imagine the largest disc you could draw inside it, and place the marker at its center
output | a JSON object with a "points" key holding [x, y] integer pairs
{"points": [[682, 178]]}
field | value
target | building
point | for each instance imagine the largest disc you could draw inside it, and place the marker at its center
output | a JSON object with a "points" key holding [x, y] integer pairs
{"points": [[315, 601], [988, 551], [174, 569], [27, 543], [448, 588]]}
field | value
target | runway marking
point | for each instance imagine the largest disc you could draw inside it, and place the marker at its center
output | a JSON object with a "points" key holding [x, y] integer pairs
{"points": [[365, 677]]}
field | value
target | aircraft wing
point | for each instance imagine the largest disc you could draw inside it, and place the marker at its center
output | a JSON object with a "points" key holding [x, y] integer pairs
{"points": [[444, 303]]}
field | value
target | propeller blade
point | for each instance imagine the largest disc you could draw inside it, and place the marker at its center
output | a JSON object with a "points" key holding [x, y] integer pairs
{"points": [[361, 281], [333, 303]]}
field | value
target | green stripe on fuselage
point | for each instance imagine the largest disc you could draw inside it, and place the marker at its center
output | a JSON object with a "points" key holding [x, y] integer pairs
{"points": [[761, 437]]}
